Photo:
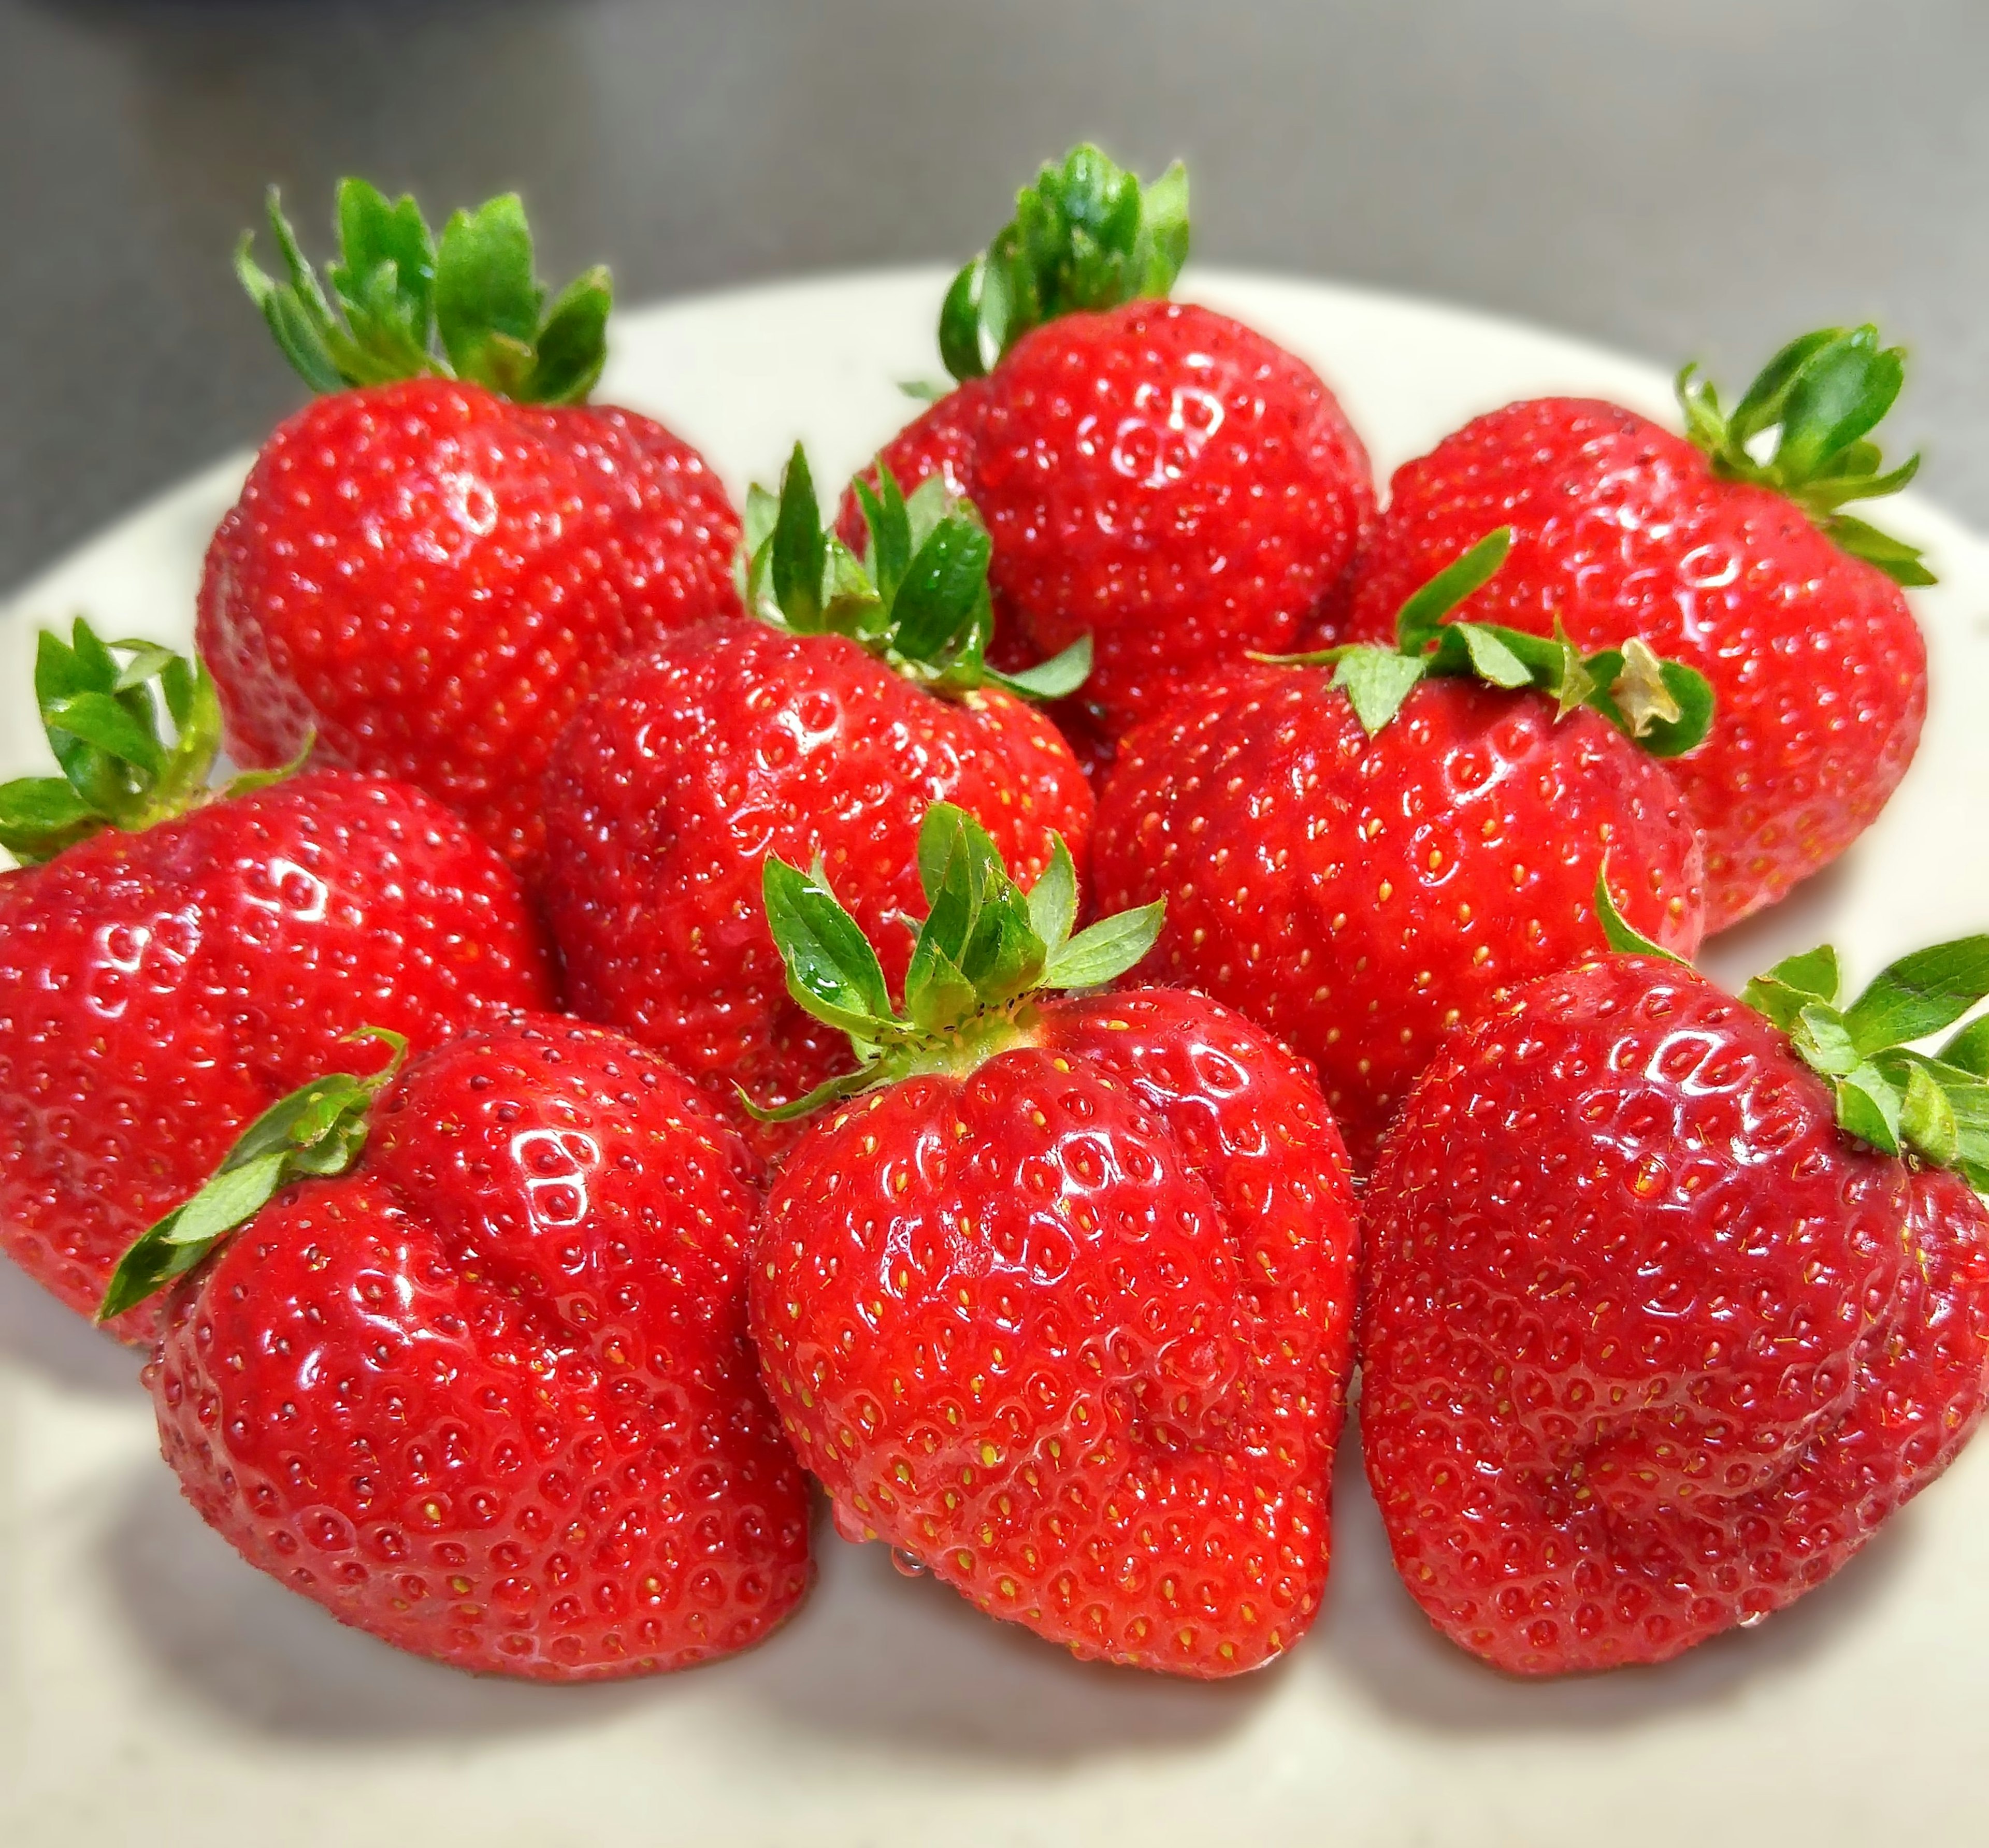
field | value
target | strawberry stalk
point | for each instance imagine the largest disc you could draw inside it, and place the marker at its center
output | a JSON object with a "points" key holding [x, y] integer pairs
{"points": [[318, 1130], [984, 951], [134, 729], [1663, 705], [1087, 235], [1801, 428], [404, 304], [1931, 1105], [917, 600]]}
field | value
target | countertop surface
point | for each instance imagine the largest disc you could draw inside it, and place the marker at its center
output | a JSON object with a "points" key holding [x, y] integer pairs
{"points": [[1700, 178]]}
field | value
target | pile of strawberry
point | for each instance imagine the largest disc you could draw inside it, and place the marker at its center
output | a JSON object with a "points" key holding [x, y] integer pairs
{"points": [[631, 1036]]}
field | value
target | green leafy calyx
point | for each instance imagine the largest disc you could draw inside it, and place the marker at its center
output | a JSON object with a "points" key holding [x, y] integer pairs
{"points": [[1803, 428], [918, 597], [984, 948], [1934, 1104], [318, 1130], [1086, 235], [403, 304], [1663, 705], [134, 729]]}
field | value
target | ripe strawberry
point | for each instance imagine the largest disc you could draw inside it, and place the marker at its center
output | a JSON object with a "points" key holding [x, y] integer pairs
{"points": [[485, 1389], [1155, 476], [1654, 1337], [430, 570], [1358, 860], [173, 959], [821, 732], [1740, 563], [1059, 1307]]}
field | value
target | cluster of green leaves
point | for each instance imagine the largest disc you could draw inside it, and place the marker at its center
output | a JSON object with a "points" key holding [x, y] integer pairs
{"points": [[1935, 1104], [107, 708], [1086, 235], [984, 947], [917, 599], [405, 305], [1664, 705], [319, 1129], [1801, 428]]}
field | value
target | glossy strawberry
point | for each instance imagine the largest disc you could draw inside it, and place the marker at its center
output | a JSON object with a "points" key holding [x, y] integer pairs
{"points": [[1059, 1307], [433, 563], [1743, 568], [1360, 850], [487, 1393], [824, 730], [1155, 476], [1651, 1343], [174, 958]]}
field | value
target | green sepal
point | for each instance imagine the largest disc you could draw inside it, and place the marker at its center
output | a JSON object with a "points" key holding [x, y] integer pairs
{"points": [[1801, 428], [1086, 235], [1935, 1107], [983, 949], [1618, 932], [1663, 705], [319, 1129], [134, 729], [403, 304], [917, 599]]}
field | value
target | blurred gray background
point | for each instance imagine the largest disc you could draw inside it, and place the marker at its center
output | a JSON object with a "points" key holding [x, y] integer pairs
{"points": [[1682, 178]]}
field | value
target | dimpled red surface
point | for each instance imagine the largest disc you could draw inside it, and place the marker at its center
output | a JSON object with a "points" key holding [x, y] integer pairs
{"points": [[489, 1396], [1620, 529], [159, 990], [1160, 478], [1360, 896], [734, 741], [1649, 1348], [431, 578], [1072, 1330]]}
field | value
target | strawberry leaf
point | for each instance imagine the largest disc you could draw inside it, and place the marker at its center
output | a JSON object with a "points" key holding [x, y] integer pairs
{"points": [[1086, 235], [833, 971], [1621, 936], [1053, 899], [318, 1129], [1108, 950], [404, 306]]}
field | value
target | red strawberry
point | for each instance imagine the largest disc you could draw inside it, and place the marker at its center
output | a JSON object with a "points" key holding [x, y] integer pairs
{"points": [[824, 731], [1156, 476], [1742, 567], [1060, 1308], [1359, 859], [185, 956], [487, 1393], [429, 572], [1652, 1342]]}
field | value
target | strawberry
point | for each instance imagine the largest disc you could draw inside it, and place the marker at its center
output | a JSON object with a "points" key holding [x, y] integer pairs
{"points": [[173, 958], [433, 564], [1728, 551], [1670, 1300], [1154, 475], [472, 1373], [821, 732], [1059, 1306], [1358, 859]]}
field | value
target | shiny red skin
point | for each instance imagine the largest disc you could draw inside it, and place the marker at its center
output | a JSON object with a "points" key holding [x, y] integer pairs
{"points": [[1649, 1349], [1072, 1330], [489, 1395], [1160, 478], [157, 990], [735, 740], [1360, 896], [1621, 529], [431, 578]]}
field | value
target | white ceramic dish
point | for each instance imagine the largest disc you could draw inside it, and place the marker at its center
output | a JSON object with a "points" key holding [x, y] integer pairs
{"points": [[154, 1689]]}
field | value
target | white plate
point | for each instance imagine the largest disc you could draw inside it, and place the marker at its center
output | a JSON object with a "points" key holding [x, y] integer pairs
{"points": [[157, 1690]]}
